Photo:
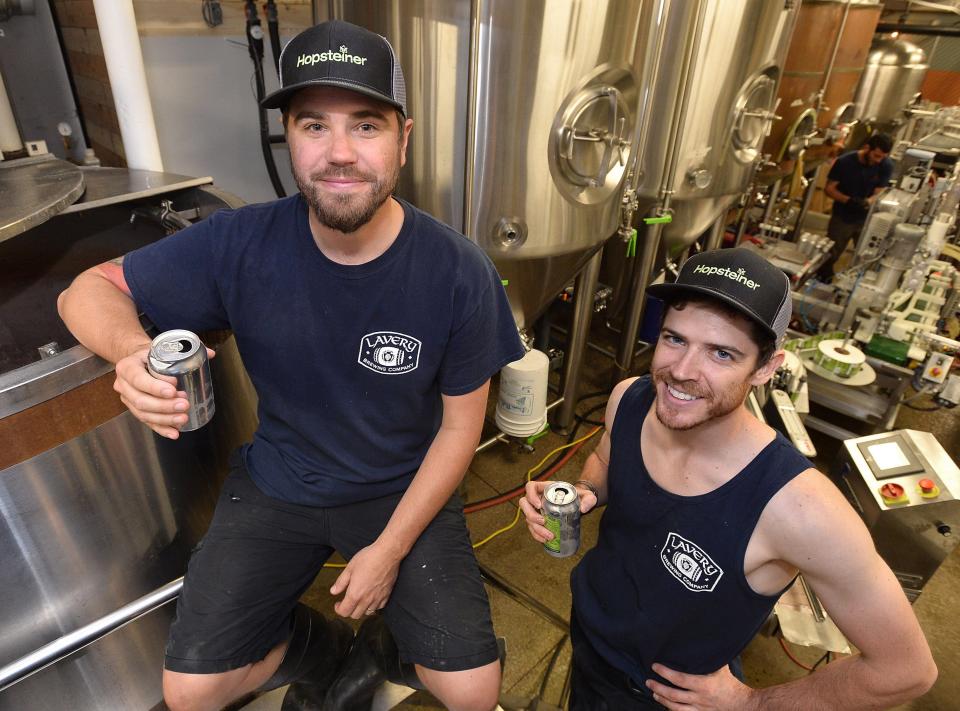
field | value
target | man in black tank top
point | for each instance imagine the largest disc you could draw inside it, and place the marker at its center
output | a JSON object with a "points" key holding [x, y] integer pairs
{"points": [[710, 514]]}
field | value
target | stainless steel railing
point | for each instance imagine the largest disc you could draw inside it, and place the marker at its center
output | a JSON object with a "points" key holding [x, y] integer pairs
{"points": [[66, 645]]}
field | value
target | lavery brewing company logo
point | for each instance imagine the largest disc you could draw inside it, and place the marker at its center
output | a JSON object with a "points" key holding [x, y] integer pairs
{"points": [[389, 353], [343, 55], [688, 563], [740, 275]]}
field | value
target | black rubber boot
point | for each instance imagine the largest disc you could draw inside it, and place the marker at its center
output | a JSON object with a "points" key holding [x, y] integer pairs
{"points": [[316, 649], [373, 659]]}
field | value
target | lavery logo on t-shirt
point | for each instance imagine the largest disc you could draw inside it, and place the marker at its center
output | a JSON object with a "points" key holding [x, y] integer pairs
{"points": [[688, 563], [389, 353]]}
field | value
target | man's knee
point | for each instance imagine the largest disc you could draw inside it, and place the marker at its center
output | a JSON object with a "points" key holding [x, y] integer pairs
{"points": [[198, 692], [469, 690]]}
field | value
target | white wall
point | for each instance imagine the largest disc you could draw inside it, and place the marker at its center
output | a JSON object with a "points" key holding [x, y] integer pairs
{"points": [[206, 113]]}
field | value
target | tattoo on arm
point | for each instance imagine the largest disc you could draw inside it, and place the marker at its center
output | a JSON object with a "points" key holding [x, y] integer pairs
{"points": [[112, 271]]}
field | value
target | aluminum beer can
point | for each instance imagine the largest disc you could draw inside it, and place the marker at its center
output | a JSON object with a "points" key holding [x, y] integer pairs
{"points": [[181, 354], [561, 516]]}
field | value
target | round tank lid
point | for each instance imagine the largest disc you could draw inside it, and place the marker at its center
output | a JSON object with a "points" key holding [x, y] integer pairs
{"points": [[32, 190], [896, 52]]}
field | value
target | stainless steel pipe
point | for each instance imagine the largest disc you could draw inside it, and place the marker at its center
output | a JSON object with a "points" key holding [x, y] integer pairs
{"points": [[631, 326], [807, 199], [715, 238], [88, 634], [584, 289]]}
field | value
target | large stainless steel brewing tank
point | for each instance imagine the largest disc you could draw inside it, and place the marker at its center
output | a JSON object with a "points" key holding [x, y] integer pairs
{"points": [[95, 510], [891, 79], [738, 49], [524, 118]]}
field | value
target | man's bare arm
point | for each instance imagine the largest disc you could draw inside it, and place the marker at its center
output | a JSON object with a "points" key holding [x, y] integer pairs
{"points": [[833, 192], [595, 468], [819, 533], [99, 310], [594, 472], [368, 579]]}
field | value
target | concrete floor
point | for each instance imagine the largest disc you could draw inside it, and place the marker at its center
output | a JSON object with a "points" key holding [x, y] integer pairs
{"points": [[532, 639]]}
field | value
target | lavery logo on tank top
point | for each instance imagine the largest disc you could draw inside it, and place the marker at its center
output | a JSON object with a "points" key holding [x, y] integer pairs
{"points": [[688, 563], [389, 353]]}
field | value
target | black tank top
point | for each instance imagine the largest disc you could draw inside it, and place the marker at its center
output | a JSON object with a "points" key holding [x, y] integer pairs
{"points": [[665, 582]]}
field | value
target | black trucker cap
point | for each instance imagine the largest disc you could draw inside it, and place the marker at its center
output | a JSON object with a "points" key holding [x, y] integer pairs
{"points": [[337, 53], [738, 277]]}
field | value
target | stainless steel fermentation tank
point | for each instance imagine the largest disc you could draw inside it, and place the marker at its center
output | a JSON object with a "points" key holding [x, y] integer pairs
{"points": [[891, 80], [712, 74], [95, 510], [524, 118], [708, 117]]}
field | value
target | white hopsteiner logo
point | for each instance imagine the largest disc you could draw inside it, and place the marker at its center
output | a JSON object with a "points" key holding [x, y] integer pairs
{"points": [[688, 563], [389, 353], [739, 276], [330, 56]]}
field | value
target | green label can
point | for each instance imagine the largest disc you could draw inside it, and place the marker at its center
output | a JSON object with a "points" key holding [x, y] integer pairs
{"points": [[561, 516]]}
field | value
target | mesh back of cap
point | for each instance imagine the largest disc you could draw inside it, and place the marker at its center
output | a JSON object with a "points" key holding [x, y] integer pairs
{"points": [[782, 319]]}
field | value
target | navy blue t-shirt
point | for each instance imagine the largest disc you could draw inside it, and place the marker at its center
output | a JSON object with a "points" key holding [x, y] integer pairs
{"points": [[665, 582], [349, 362], [857, 180]]}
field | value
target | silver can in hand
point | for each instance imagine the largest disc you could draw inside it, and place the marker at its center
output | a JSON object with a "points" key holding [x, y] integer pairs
{"points": [[181, 354], [561, 516]]}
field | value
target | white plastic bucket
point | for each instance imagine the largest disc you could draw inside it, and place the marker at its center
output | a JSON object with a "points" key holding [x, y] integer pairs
{"points": [[522, 401]]}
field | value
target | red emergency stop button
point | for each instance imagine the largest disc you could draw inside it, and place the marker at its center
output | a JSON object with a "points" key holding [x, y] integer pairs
{"points": [[935, 372], [893, 494], [928, 488], [891, 491]]}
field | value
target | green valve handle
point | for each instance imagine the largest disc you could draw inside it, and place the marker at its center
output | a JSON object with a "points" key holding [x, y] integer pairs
{"points": [[632, 244], [663, 220]]}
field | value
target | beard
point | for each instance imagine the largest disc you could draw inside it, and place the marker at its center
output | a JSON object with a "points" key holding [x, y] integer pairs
{"points": [[717, 406], [347, 212]]}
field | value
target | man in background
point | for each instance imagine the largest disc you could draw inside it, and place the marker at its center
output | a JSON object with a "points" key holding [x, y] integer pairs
{"points": [[852, 183]]}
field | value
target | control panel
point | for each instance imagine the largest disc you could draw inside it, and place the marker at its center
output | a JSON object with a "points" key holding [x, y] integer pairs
{"points": [[937, 367], [895, 468], [906, 488]]}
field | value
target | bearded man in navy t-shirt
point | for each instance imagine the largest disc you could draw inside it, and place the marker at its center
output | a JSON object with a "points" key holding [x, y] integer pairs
{"points": [[852, 183], [370, 332]]}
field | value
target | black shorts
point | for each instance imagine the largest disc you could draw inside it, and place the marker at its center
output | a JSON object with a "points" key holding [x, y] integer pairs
{"points": [[596, 685], [260, 554]]}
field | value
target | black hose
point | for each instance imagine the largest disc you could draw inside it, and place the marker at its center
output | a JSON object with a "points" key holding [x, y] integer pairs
{"points": [[273, 26], [255, 46]]}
